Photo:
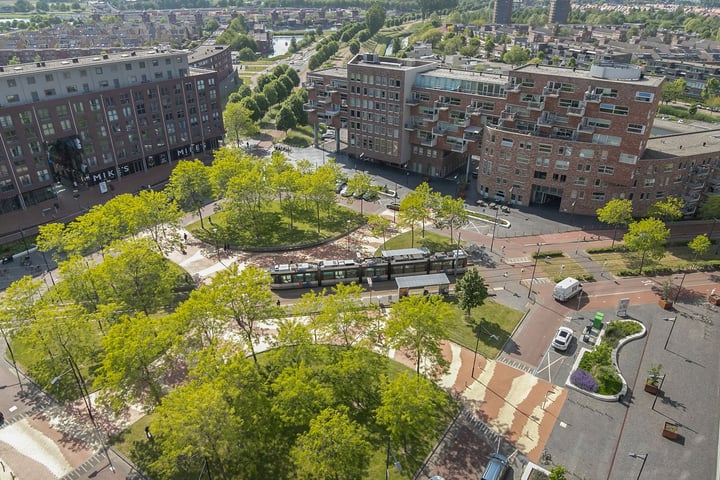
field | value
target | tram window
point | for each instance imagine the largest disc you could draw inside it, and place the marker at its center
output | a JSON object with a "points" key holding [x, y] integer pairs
{"points": [[300, 277], [283, 279], [328, 275]]}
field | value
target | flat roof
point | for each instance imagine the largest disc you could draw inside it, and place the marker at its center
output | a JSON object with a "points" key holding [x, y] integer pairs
{"points": [[683, 145], [421, 281], [569, 72]]}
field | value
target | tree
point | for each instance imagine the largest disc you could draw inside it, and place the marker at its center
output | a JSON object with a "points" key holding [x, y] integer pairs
{"points": [[244, 296], [250, 103], [334, 447], [451, 213], [130, 369], [711, 208], [238, 122], [23, 6], [418, 324], [489, 47], [379, 225], [672, 91], [711, 89], [155, 214], [471, 291], [700, 245], [668, 210], [189, 185], [647, 236], [354, 47], [285, 119], [517, 55], [557, 473], [410, 393], [343, 316], [416, 207], [617, 212], [319, 188], [374, 17], [358, 185]]}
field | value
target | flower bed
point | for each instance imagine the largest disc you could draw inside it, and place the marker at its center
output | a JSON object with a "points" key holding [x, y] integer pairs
{"points": [[596, 371]]}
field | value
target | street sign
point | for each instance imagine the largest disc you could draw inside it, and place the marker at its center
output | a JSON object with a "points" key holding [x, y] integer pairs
{"points": [[622, 306], [369, 281]]}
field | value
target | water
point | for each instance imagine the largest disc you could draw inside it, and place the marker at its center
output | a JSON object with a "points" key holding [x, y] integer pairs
{"points": [[281, 43]]}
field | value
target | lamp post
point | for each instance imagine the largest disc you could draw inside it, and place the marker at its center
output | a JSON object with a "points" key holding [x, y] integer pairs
{"points": [[532, 278], [546, 398], [12, 356], [397, 465], [505, 275], [669, 319], [492, 241], [348, 236], [77, 375], [572, 211], [644, 457], [677, 295], [479, 329]]}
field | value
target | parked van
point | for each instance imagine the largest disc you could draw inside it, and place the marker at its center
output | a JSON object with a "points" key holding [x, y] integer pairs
{"points": [[567, 289], [496, 468]]}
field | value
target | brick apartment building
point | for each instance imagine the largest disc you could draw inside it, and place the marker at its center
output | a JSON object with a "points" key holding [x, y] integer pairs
{"points": [[539, 134], [88, 120]]}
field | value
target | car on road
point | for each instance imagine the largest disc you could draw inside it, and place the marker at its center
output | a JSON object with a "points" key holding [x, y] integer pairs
{"points": [[563, 338], [329, 134], [393, 206]]}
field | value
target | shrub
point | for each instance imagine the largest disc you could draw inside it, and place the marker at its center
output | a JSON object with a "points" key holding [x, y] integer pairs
{"points": [[582, 379], [616, 248], [617, 330], [608, 380], [551, 253]]}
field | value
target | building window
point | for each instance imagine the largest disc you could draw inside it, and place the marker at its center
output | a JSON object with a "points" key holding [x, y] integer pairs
{"points": [[562, 164], [613, 109], [112, 115], [580, 181], [545, 148], [98, 71], [635, 128], [48, 128], [49, 77], [599, 196], [12, 98], [628, 158], [649, 182], [644, 97], [31, 80], [540, 175], [49, 92]]}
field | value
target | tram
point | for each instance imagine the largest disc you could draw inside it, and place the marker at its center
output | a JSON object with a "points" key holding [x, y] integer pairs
{"points": [[390, 264]]}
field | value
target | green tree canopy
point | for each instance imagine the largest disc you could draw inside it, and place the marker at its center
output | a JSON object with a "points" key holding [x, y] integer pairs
{"points": [[471, 291], [239, 123], [647, 236], [189, 185], [668, 210], [617, 212]]}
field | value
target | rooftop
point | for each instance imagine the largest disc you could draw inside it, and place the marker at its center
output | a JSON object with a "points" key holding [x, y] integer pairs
{"points": [[577, 73], [684, 144]]}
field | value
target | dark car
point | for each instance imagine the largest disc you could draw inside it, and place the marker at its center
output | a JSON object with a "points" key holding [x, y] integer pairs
{"points": [[496, 468], [393, 206]]}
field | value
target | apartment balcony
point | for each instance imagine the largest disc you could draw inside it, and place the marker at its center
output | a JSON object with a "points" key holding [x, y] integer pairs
{"points": [[508, 116], [691, 198], [695, 186], [439, 132], [578, 111], [537, 106], [412, 101], [458, 147], [585, 128], [331, 89], [462, 122], [309, 85], [410, 127], [689, 210], [546, 120], [512, 87], [472, 134], [551, 92], [332, 112], [700, 171], [428, 142], [309, 107], [441, 105], [593, 97], [430, 117]]}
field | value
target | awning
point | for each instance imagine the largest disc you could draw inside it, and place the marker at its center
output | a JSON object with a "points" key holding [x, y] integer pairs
{"points": [[422, 281]]}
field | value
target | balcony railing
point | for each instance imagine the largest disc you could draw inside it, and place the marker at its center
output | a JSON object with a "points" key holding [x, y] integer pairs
{"points": [[509, 116], [470, 110], [332, 112], [578, 111], [462, 122], [428, 142], [410, 127], [536, 105], [546, 120], [442, 105], [458, 147], [512, 87], [695, 186], [551, 92], [309, 107], [585, 128], [430, 117], [439, 131], [593, 97], [412, 101]]}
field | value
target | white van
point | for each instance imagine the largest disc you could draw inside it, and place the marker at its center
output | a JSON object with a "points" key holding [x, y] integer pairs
{"points": [[567, 289]]}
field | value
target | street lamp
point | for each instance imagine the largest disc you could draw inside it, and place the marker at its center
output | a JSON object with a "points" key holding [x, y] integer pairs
{"points": [[77, 375], [546, 398], [659, 389], [532, 278], [671, 329], [506, 278], [478, 329], [572, 212], [644, 457], [12, 356], [397, 465], [348, 236], [492, 241]]}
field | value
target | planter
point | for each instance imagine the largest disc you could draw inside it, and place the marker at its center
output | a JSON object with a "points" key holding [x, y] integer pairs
{"points": [[670, 430], [652, 387], [665, 304], [714, 299]]}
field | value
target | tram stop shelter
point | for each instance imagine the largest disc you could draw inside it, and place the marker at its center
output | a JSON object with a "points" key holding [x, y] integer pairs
{"points": [[435, 283]]}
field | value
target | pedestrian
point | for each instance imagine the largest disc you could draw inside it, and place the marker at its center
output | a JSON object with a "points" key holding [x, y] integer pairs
{"points": [[185, 236], [278, 302]]}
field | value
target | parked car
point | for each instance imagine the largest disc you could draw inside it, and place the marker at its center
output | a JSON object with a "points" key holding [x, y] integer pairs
{"points": [[329, 134], [563, 338], [496, 468], [393, 206]]}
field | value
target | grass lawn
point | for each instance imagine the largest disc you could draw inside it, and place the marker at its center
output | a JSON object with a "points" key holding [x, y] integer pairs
{"points": [[558, 268], [274, 228], [494, 318], [675, 257], [435, 242]]}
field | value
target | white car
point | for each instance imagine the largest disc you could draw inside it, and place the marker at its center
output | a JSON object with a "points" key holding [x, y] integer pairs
{"points": [[563, 338]]}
